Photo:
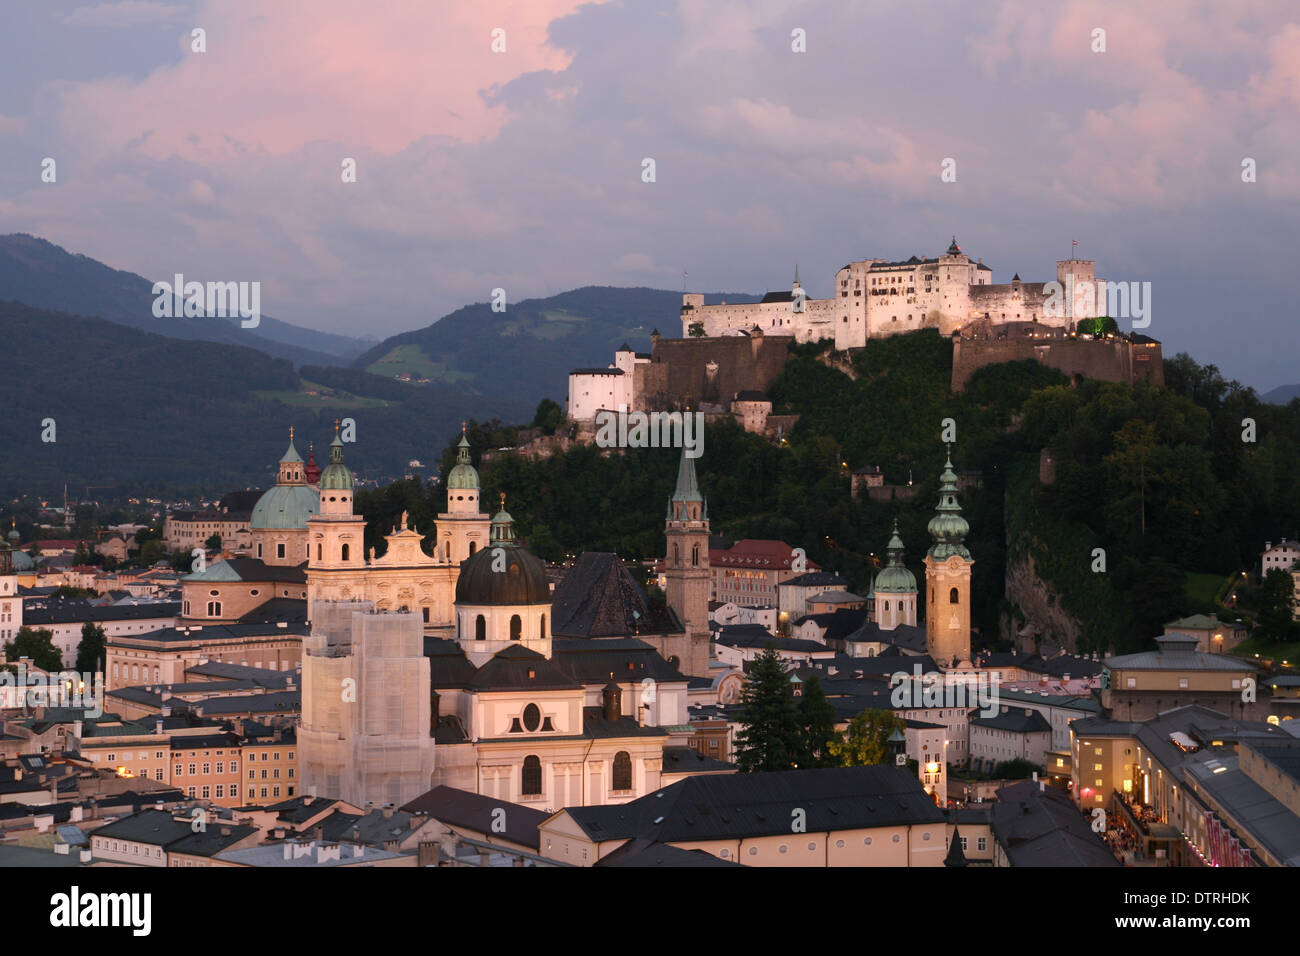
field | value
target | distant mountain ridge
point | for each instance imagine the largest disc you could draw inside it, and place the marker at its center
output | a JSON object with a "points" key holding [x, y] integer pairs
{"points": [[532, 346], [43, 275]]}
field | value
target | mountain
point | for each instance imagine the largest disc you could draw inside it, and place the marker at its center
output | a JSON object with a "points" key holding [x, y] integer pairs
{"points": [[531, 348], [1281, 395], [40, 274], [140, 413]]}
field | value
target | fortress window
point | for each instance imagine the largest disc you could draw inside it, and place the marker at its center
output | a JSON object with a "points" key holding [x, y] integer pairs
{"points": [[480, 628], [532, 777], [953, 598]]}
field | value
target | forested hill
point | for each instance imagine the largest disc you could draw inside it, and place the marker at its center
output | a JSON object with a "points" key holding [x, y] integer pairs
{"points": [[1159, 478]]}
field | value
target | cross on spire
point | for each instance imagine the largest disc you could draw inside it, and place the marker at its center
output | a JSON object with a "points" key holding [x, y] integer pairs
{"points": [[290, 433]]}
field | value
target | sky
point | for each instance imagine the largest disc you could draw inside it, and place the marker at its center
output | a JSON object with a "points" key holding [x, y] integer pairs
{"points": [[523, 168]]}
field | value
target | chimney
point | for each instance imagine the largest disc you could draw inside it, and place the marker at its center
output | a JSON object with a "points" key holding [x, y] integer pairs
{"points": [[158, 726], [388, 811]]}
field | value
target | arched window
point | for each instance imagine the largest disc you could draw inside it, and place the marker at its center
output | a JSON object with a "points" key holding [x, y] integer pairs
{"points": [[516, 627], [543, 630], [532, 782], [319, 550], [214, 609], [695, 556], [346, 549], [622, 771], [677, 555], [952, 597], [473, 546], [886, 605], [480, 628], [532, 718]]}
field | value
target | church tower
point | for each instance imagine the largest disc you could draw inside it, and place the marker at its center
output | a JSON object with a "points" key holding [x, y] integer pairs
{"points": [[947, 578], [463, 528], [336, 537], [895, 588], [686, 568]]}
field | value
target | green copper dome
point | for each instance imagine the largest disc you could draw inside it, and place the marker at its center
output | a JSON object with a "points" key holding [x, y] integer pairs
{"points": [[895, 578], [285, 507], [462, 476], [337, 476], [948, 528]]}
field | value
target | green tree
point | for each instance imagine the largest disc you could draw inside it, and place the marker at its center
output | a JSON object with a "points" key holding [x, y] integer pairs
{"points": [[770, 737], [817, 720], [91, 649], [37, 644], [867, 739], [213, 543], [151, 552], [1277, 606], [1016, 769], [696, 329], [549, 416]]}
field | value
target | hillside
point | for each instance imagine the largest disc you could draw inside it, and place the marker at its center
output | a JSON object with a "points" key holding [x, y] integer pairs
{"points": [[531, 347], [45, 276], [143, 413]]}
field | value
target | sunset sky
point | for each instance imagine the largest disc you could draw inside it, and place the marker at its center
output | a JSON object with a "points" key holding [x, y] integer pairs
{"points": [[522, 169]]}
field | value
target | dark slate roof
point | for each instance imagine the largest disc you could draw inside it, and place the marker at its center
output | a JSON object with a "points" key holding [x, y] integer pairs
{"points": [[448, 665], [1065, 664], [1038, 826], [371, 829], [786, 296], [650, 853], [1016, 720], [155, 827], [598, 598], [221, 670], [193, 634], [627, 659], [300, 809], [688, 759], [518, 668], [597, 371], [907, 636], [461, 808], [212, 840], [755, 635], [730, 806], [277, 609], [255, 569], [68, 613]]}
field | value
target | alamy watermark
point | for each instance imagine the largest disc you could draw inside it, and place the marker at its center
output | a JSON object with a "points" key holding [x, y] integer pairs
{"points": [[212, 299], [54, 689], [917, 690], [1085, 300], [622, 429]]}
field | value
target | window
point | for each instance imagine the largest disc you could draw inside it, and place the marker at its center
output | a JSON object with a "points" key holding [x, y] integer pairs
{"points": [[480, 628], [318, 551], [543, 628], [177, 770], [345, 551], [207, 793], [622, 770], [221, 791], [158, 774], [279, 550], [532, 776], [207, 769], [695, 555], [516, 627], [981, 843], [953, 597], [214, 609], [532, 718], [191, 770], [221, 766]]}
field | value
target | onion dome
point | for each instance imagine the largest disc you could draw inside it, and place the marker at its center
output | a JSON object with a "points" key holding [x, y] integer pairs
{"points": [[504, 573], [288, 505], [337, 476], [463, 476], [311, 469], [948, 528], [895, 578]]}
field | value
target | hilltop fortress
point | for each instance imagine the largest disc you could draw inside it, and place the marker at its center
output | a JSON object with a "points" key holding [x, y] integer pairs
{"points": [[874, 298]]}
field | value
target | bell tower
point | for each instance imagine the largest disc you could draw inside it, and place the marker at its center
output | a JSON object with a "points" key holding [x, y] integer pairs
{"points": [[686, 568], [947, 578], [462, 528]]}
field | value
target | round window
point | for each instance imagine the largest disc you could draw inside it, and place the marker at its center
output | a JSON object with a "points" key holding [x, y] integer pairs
{"points": [[896, 838], [782, 848], [753, 851], [532, 717]]}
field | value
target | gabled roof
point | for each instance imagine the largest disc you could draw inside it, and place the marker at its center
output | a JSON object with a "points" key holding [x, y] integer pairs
{"points": [[599, 598], [518, 668], [471, 811]]}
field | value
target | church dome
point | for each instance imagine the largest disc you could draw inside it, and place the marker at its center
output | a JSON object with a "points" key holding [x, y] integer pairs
{"points": [[895, 578], [284, 507], [337, 476], [512, 576], [948, 528], [463, 476]]}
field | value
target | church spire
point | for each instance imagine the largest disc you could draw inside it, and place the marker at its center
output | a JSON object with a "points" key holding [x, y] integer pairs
{"points": [[948, 528], [688, 488]]}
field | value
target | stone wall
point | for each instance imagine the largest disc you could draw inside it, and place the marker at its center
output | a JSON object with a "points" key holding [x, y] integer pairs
{"points": [[1112, 360], [694, 371]]}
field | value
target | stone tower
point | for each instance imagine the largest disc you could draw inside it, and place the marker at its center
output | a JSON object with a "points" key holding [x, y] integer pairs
{"points": [[947, 578], [686, 567], [463, 527], [335, 536]]}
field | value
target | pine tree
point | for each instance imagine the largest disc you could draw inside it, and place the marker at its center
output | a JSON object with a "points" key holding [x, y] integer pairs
{"points": [[770, 737], [817, 719]]}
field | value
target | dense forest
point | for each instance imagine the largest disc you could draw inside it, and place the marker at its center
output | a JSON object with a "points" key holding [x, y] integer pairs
{"points": [[1161, 479]]}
